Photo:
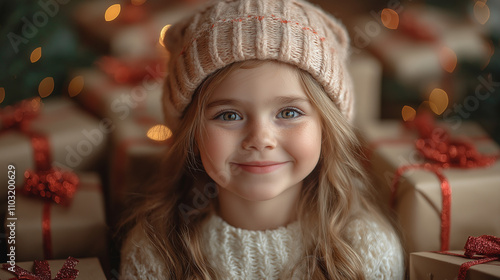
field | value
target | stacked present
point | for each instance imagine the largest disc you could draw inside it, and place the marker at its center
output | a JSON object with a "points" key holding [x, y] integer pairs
{"points": [[443, 187], [51, 211], [422, 48]]}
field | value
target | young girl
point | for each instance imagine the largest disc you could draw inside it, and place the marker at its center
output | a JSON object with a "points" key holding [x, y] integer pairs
{"points": [[263, 178]]}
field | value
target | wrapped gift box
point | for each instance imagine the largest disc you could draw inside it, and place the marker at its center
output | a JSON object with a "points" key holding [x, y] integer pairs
{"points": [[366, 74], [77, 140], [474, 192], [428, 265], [88, 268], [135, 158], [78, 230], [107, 98]]}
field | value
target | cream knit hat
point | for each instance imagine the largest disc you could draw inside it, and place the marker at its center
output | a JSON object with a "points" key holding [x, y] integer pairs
{"points": [[226, 31]]}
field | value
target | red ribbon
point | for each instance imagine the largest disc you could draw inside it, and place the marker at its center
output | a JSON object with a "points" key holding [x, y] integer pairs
{"points": [[442, 152], [123, 72], [482, 249], [45, 182], [42, 271], [18, 116]]}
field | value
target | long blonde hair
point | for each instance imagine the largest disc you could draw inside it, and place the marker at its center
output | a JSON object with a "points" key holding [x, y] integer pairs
{"points": [[334, 194]]}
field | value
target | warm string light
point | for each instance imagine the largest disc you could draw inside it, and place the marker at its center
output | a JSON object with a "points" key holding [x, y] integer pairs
{"points": [[438, 103], [36, 54], [390, 18], [481, 12], [448, 59], [162, 34], [2, 94], [46, 87], [159, 133], [75, 86], [112, 12]]}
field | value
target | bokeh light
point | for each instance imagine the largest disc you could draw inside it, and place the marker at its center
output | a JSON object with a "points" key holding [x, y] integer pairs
{"points": [[408, 113], [36, 54], [75, 86], [481, 12], [162, 34], [2, 94], [390, 18], [46, 87], [112, 12], [159, 132], [448, 59], [439, 98]]}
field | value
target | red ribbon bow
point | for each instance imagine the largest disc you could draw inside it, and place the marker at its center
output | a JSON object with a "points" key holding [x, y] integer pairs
{"points": [[442, 152], [42, 271], [53, 184], [18, 116], [482, 249]]}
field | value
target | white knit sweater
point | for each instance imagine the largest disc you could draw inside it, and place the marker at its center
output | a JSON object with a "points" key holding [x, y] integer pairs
{"points": [[246, 254]]}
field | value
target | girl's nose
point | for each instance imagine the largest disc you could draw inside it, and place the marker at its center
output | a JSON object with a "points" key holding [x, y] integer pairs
{"points": [[259, 136]]}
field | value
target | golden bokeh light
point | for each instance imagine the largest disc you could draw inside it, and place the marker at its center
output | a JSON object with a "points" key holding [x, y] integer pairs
{"points": [[159, 132], [438, 98], [408, 113], [112, 12], [2, 94], [481, 12], [75, 86], [162, 34], [36, 54], [390, 18], [448, 59], [46, 87], [138, 2]]}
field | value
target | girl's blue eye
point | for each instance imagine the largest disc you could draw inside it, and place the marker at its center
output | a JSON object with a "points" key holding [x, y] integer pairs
{"points": [[289, 113], [228, 116]]}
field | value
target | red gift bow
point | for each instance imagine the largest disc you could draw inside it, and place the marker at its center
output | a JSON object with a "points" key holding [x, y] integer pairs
{"points": [[46, 182], [42, 271], [486, 247], [442, 152]]}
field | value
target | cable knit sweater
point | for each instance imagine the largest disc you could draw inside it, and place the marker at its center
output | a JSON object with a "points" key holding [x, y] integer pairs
{"points": [[247, 254]]}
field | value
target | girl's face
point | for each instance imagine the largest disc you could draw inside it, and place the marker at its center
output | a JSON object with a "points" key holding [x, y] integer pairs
{"points": [[261, 136]]}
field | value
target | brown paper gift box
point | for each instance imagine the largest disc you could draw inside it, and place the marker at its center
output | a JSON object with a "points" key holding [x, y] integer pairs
{"points": [[475, 192], [88, 268], [77, 140], [135, 159], [115, 101], [79, 230], [428, 265]]}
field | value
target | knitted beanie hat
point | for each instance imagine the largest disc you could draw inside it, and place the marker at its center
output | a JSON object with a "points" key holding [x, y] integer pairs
{"points": [[227, 31]]}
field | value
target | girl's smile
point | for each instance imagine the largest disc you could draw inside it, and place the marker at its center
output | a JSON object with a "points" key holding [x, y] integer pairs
{"points": [[260, 167]]}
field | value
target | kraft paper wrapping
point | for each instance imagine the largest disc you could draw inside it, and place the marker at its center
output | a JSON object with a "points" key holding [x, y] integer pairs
{"points": [[135, 160], [88, 268], [427, 265], [118, 102], [79, 230], [475, 192], [77, 140], [416, 63]]}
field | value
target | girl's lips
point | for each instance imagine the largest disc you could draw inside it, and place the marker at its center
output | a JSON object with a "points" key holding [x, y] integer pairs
{"points": [[260, 167]]}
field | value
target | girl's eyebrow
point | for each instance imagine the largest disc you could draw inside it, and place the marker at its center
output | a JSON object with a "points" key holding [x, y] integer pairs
{"points": [[279, 100]]}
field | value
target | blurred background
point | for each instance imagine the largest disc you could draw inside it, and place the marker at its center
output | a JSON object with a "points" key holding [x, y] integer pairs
{"points": [[106, 58]]}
